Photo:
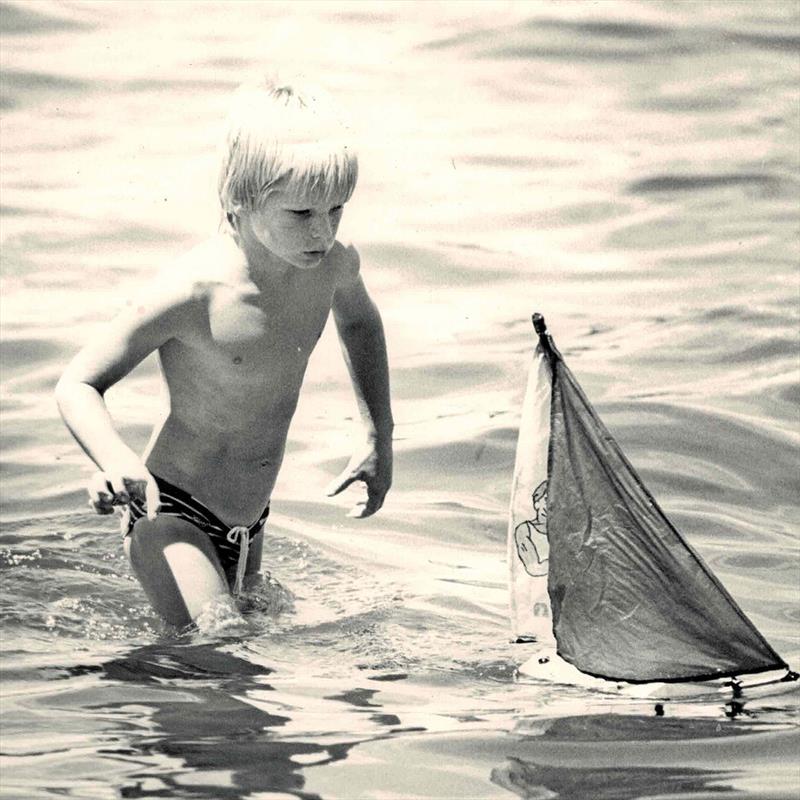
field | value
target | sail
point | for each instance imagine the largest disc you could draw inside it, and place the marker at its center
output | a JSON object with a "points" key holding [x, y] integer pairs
{"points": [[630, 599], [528, 545]]}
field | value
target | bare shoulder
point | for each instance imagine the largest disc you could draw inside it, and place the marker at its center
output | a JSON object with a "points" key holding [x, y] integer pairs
{"points": [[174, 301], [196, 274], [345, 260], [352, 304]]}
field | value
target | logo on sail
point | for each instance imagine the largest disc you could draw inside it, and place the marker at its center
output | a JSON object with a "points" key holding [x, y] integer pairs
{"points": [[533, 546]]}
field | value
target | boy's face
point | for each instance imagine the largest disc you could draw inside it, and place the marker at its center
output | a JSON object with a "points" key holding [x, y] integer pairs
{"points": [[297, 228]]}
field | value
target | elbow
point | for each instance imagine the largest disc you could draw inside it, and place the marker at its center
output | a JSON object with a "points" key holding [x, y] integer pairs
{"points": [[349, 330], [366, 327], [66, 390]]}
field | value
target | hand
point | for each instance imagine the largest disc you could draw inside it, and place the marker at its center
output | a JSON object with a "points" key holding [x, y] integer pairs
{"points": [[109, 489], [372, 465]]}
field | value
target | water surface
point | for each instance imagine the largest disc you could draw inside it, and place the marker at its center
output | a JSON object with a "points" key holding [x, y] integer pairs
{"points": [[628, 169]]}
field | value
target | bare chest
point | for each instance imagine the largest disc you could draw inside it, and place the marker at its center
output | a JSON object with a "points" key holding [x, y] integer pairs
{"points": [[256, 332]]}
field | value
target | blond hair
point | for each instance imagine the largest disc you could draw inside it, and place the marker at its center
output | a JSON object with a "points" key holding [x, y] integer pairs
{"points": [[287, 133]]}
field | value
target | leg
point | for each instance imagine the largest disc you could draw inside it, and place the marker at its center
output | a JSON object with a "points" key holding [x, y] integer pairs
{"points": [[177, 566]]}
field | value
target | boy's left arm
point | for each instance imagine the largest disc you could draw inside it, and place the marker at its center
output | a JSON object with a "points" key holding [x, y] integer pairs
{"points": [[360, 329]]}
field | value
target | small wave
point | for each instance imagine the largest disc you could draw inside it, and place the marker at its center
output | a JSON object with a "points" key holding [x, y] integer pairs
{"points": [[23, 354], [566, 40], [688, 183], [221, 617], [614, 30], [16, 85], [784, 42], [775, 347], [701, 454], [790, 394], [757, 563], [468, 37], [600, 40], [16, 20], [567, 53], [121, 235], [738, 313]]}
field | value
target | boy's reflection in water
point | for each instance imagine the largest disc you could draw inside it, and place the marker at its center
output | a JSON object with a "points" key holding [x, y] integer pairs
{"points": [[221, 747]]}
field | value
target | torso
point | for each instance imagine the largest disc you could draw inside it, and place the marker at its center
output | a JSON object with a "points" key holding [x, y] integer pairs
{"points": [[234, 374]]}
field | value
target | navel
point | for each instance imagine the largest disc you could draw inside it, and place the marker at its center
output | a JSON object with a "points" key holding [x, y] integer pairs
{"points": [[237, 359]]}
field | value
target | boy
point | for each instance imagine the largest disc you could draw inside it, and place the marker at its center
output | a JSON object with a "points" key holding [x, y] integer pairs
{"points": [[234, 322]]}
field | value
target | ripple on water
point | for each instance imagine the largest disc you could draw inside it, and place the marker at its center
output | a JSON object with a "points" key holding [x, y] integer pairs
{"points": [[22, 354], [21, 87], [601, 40], [766, 563], [24, 19], [702, 451], [692, 183]]}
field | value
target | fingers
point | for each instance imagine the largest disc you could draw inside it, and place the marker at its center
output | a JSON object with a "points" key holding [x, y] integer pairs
{"points": [[376, 490], [152, 498], [340, 483], [145, 490], [106, 491], [102, 496], [362, 510], [373, 503]]}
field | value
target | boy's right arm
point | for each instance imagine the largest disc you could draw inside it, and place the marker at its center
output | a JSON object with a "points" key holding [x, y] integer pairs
{"points": [[142, 327]]}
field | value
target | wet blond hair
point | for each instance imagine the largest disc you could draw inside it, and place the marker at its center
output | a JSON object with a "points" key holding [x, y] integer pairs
{"points": [[287, 133]]}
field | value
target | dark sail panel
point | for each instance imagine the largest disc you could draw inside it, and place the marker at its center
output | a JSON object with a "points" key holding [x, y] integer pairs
{"points": [[630, 599]]}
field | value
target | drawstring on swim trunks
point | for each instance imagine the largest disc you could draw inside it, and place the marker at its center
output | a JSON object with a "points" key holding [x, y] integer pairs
{"points": [[240, 534]]}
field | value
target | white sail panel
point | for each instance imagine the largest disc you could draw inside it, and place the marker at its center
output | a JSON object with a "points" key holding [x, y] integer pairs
{"points": [[528, 546]]}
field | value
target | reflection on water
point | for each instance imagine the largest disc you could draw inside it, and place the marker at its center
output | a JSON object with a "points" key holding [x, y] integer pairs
{"points": [[536, 782], [623, 756], [197, 736]]}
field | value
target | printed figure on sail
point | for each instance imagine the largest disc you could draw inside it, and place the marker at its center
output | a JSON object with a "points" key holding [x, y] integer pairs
{"points": [[531, 536], [599, 577]]}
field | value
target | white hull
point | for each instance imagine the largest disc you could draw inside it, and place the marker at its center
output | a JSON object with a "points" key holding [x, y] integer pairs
{"points": [[548, 667]]}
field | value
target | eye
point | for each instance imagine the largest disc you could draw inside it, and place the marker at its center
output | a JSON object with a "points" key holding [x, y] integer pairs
{"points": [[336, 210], [300, 212]]}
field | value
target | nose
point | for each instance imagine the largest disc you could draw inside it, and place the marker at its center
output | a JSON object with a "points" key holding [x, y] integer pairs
{"points": [[321, 227]]}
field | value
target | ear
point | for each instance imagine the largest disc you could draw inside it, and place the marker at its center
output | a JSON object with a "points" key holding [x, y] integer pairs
{"points": [[233, 217]]}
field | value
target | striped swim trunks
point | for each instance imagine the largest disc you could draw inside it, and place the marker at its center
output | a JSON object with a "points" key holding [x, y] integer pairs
{"points": [[230, 544]]}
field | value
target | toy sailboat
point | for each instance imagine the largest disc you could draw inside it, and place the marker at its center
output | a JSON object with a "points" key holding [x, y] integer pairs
{"points": [[601, 583]]}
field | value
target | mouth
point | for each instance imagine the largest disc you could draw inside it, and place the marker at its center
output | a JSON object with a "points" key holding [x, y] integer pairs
{"points": [[315, 253]]}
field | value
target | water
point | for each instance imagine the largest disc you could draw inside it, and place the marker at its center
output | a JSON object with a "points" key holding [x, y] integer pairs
{"points": [[628, 169]]}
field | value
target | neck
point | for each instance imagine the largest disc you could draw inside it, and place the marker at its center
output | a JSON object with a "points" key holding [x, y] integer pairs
{"points": [[262, 264]]}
